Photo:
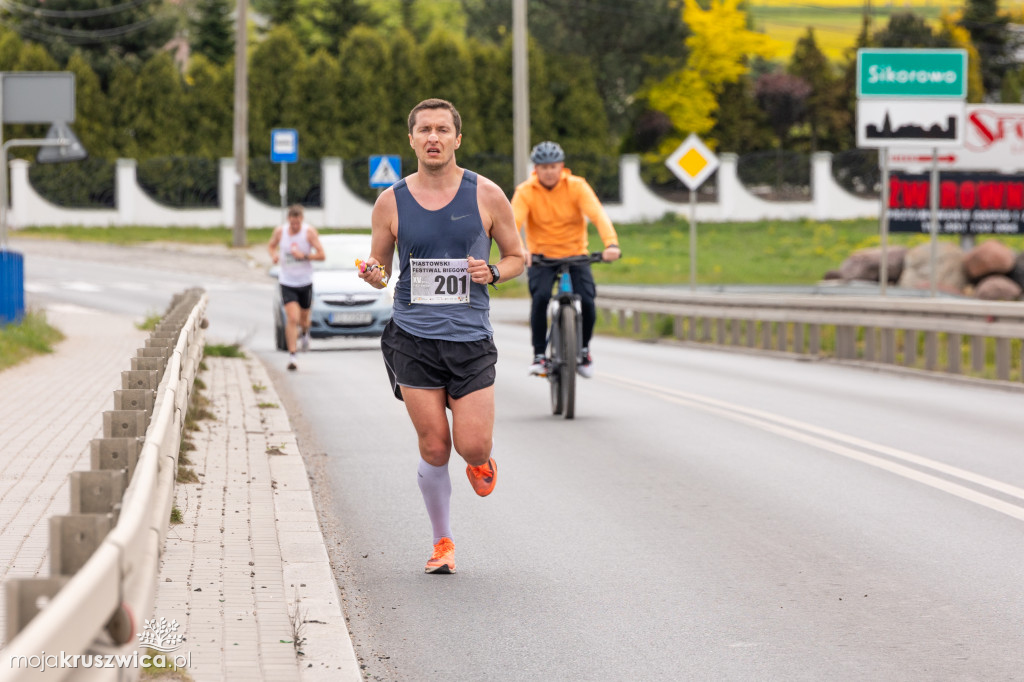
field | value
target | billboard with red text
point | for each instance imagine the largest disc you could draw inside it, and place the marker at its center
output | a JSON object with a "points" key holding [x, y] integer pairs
{"points": [[969, 203]]}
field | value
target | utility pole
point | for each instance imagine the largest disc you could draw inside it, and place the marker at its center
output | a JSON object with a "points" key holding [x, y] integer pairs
{"points": [[520, 93], [241, 133]]}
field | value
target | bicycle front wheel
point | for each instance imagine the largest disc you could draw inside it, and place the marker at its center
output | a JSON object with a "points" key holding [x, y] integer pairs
{"points": [[554, 370], [567, 368]]}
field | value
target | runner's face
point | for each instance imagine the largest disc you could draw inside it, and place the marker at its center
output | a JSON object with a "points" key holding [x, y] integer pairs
{"points": [[549, 173], [294, 223], [433, 137]]}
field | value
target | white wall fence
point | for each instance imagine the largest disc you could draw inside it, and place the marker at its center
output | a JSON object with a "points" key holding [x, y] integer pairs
{"points": [[344, 209]]}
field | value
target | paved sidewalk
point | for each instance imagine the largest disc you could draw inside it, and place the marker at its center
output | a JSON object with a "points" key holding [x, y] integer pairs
{"points": [[247, 574], [248, 568], [51, 408]]}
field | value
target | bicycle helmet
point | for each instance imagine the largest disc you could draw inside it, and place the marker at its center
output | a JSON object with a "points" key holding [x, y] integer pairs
{"points": [[547, 152]]}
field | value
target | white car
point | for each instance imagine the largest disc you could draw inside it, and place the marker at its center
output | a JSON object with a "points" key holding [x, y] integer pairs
{"points": [[343, 304]]}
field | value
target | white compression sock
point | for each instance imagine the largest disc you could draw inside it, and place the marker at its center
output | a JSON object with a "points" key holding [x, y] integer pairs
{"points": [[436, 487]]}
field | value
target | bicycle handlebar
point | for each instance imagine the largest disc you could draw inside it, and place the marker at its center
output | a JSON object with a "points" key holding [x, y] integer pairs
{"points": [[595, 257]]}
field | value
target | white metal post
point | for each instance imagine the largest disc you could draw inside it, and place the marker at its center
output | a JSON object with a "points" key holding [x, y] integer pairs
{"points": [[693, 240], [934, 187], [883, 224]]}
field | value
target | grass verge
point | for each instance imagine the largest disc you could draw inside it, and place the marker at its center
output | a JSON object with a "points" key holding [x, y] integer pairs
{"points": [[22, 340]]}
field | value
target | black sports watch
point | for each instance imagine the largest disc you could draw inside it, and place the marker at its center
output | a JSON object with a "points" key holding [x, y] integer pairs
{"points": [[495, 275]]}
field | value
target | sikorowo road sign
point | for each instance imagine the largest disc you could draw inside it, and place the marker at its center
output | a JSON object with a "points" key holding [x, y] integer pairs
{"points": [[912, 73], [692, 162], [910, 122]]}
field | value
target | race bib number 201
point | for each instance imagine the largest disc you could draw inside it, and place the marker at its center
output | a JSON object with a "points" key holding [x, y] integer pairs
{"points": [[438, 281]]}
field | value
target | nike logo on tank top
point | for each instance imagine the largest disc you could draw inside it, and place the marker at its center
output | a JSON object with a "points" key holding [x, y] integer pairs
{"points": [[434, 297]]}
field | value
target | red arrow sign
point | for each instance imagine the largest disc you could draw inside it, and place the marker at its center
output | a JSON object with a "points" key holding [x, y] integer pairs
{"points": [[949, 158]]}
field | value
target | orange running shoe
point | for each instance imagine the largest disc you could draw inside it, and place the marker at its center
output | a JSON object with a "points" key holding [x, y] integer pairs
{"points": [[443, 558], [483, 477]]}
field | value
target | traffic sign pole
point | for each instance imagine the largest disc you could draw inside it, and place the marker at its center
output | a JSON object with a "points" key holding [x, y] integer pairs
{"points": [[883, 224], [935, 219], [693, 240], [284, 192], [692, 162]]}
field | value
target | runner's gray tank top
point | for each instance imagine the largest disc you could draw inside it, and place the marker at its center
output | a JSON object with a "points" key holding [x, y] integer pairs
{"points": [[454, 231]]}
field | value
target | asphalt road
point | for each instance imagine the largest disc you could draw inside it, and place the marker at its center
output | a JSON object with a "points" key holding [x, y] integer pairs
{"points": [[707, 515]]}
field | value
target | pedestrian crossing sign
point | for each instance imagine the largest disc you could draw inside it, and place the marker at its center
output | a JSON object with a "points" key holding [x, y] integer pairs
{"points": [[692, 162], [385, 170]]}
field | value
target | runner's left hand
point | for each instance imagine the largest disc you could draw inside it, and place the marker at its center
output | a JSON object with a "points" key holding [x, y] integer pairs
{"points": [[478, 270]]}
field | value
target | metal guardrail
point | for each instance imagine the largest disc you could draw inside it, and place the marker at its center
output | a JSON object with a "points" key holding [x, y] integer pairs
{"points": [[959, 337], [105, 554]]}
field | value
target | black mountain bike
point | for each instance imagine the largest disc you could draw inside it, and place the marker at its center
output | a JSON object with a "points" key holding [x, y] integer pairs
{"points": [[565, 333]]}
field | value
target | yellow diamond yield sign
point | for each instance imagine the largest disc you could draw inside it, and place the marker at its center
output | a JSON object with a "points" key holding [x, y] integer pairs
{"points": [[692, 162]]}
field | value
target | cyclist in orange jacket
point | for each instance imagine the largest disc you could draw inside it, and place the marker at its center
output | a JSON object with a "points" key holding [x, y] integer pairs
{"points": [[552, 209]]}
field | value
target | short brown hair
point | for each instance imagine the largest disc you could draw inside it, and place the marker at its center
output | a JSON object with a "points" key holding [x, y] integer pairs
{"points": [[295, 209], [435, 103]]}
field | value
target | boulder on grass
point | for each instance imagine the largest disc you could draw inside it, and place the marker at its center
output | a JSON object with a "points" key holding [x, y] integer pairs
{"points": [[1017, 274], [998, 288], [866, 264], [949, 268], [988, 258]]}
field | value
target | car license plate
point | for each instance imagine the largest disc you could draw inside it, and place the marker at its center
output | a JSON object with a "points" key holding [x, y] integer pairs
{"points": [[351, 319]]}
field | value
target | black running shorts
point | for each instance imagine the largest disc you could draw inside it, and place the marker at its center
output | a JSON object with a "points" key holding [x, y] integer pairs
{"points": [[460, 367], [301, 295]]}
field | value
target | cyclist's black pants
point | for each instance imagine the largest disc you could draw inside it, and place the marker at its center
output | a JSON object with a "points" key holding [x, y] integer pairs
{"points": [[542, 279]]}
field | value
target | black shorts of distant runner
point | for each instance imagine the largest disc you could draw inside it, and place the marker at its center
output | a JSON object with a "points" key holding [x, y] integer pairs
{"points": [[301, 295]]}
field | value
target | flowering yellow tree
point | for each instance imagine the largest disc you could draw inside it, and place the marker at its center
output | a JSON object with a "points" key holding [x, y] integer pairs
{"points": [[719, 48]]}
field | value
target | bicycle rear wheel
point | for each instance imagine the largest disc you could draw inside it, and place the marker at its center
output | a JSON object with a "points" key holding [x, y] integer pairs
{"points": [[567, 367]]}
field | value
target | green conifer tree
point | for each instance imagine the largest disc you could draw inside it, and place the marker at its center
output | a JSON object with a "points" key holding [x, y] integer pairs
{"points": [[405, 83], [209, 109], [365, 114], [449, 75], [160, 119], [125, 106], [212, 31], [826, 115], [991, 36], [10, 48], [275, 97], [93, 117], [319, 128]]}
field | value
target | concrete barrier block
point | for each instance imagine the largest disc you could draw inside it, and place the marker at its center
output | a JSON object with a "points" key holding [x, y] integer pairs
{"points": [[97, 492], [143, 378], [157, 364], [162, 352], [125, 423], [118, 454], [74, 538], [135, 399], [161, 342], [26, 597]]}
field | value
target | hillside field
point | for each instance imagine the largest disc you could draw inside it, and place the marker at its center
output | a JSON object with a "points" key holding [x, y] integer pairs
{"points": [[836, 23]]}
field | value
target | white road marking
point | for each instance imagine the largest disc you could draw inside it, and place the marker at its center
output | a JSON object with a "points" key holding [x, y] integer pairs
{"points": [[84, 287], [802, 432]]}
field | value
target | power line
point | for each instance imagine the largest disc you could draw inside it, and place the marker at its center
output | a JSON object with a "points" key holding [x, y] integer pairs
{"points": [[46, 32], [70, 13]]}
